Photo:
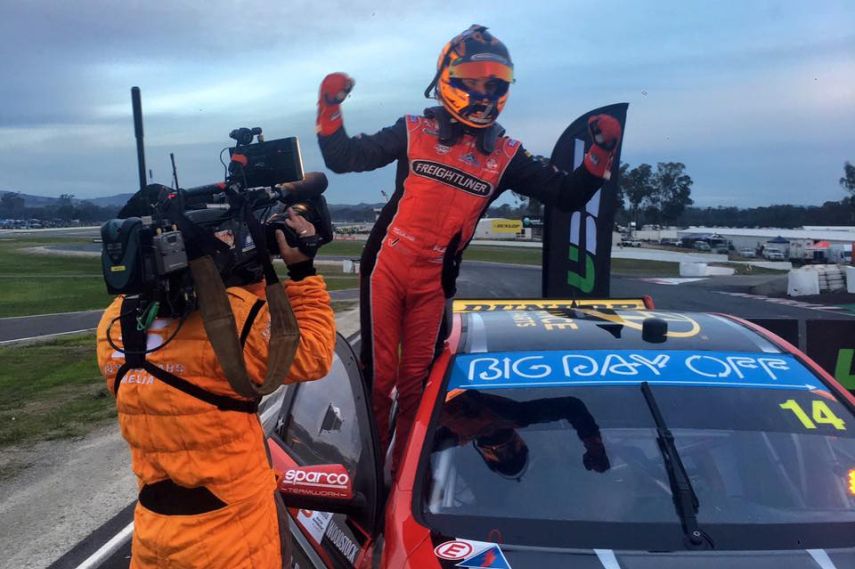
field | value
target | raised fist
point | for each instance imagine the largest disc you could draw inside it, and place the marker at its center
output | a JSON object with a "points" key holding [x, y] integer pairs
{"points": [[605, 135], [605, 131], [334, 89]]}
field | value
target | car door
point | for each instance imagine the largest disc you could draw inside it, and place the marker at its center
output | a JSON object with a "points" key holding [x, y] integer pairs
{"points": [[328, 422]]}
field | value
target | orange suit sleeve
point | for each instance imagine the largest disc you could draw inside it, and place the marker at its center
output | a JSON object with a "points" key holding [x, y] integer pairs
{"points": [[310, 302]]}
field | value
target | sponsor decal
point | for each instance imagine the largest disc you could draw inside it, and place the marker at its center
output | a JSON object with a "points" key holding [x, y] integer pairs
{"points": [[477, 305], [315, 523], [248, 243], [431, 131], [442, 149], [342, 542], [326, 480], [490, 557], [453, 177], [175, 368], [630, 367], [469, 158], [454, 550], [401, 233], [506, 225], [472, 553], [492, 164], [679, 325], [141, 378]]}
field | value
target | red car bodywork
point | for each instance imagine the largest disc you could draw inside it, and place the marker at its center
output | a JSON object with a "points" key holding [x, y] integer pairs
{"points": [[407, 543]]}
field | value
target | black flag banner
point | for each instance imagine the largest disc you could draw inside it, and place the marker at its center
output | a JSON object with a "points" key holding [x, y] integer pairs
{"points": [[577, 245]]}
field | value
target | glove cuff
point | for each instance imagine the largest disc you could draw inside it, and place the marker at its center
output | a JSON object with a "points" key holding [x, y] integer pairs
{"points": [[301, 270], [329, 118]]}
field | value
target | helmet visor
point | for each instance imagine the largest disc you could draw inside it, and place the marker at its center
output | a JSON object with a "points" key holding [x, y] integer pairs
{"points": [[481, 70]]}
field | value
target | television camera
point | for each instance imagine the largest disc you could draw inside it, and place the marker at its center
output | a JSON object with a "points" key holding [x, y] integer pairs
{"points": [[146, 250]]}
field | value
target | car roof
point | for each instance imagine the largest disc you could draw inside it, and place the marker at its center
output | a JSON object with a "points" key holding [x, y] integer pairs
{"points": [[566, 328]]}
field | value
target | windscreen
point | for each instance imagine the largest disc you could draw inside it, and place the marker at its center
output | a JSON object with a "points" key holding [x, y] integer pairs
{"points": [[578, 443]]}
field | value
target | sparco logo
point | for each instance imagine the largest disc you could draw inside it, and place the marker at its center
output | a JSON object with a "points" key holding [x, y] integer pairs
{"points": [[331, 479], [452, 177]]}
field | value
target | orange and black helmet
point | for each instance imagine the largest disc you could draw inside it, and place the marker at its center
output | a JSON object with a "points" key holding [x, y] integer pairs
{"points": [[473, 74]]}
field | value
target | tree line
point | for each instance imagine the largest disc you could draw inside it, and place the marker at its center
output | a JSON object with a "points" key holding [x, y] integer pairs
{"points": [[63, 209], [663, 196]]}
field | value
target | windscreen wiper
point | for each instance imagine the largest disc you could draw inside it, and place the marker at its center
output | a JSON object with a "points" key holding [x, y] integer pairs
{"points": [[685, 499]]}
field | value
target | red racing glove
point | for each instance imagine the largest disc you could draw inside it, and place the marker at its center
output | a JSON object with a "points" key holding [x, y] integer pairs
{"points": [[605, 135], [334, 89]]}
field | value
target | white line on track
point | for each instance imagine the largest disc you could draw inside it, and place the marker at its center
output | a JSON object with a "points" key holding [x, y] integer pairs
{"points": [[608, 558], [44, 336], [108, 549], [29, 316], [822, 559]]}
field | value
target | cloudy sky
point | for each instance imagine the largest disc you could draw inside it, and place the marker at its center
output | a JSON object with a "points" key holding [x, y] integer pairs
{"points": [[757, 100]]}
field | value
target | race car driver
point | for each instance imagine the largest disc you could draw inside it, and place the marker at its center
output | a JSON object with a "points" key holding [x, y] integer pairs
{"points": [[207, 493], [453, 161]]}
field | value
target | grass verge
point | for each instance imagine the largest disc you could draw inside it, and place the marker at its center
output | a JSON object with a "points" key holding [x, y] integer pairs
{"points": [[39, 283], [54, 390], [51, 390], [42, 284], [645, 268], [498, 254]]}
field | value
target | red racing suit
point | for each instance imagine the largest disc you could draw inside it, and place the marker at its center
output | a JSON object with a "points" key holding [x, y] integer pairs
{"points": [[410, 263]]}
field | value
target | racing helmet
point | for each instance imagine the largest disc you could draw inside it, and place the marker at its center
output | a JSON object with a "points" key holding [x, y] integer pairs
{"points": [[504, 452], [473, 74]]}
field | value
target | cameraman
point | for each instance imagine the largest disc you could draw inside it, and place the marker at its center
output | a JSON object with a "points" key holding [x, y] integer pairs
{"points": [[208, 494]]}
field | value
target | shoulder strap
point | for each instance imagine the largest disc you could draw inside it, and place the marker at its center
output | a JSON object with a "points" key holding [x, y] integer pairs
{"points": [[221, 402], [134, 343], [250, 320]]}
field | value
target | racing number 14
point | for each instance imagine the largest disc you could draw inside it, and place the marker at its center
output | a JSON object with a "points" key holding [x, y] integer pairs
{"points": [[821, 412]]}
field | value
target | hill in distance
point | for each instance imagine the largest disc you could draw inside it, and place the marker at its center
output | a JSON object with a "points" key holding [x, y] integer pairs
{"points": [[339, 212]]}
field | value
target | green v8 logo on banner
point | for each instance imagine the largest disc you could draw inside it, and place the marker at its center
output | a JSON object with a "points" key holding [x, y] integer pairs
{"points": [[843, 371]]}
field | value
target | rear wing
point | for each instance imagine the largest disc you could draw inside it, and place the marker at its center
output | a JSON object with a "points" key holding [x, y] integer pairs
{"points": [[503, 304]]}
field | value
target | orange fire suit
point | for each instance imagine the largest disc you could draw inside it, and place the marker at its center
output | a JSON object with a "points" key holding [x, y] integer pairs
{"points": [[207, 490]]}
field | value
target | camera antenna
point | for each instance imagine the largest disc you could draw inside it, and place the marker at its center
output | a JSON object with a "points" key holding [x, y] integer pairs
{"points": [[174, 171], [138, 132]]}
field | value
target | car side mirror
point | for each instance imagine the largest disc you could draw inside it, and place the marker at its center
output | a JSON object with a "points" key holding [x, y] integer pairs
{"points": [[324, 487]]}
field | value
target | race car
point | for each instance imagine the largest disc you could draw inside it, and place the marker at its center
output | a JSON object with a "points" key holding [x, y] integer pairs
{"points": [[603, 434]]}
